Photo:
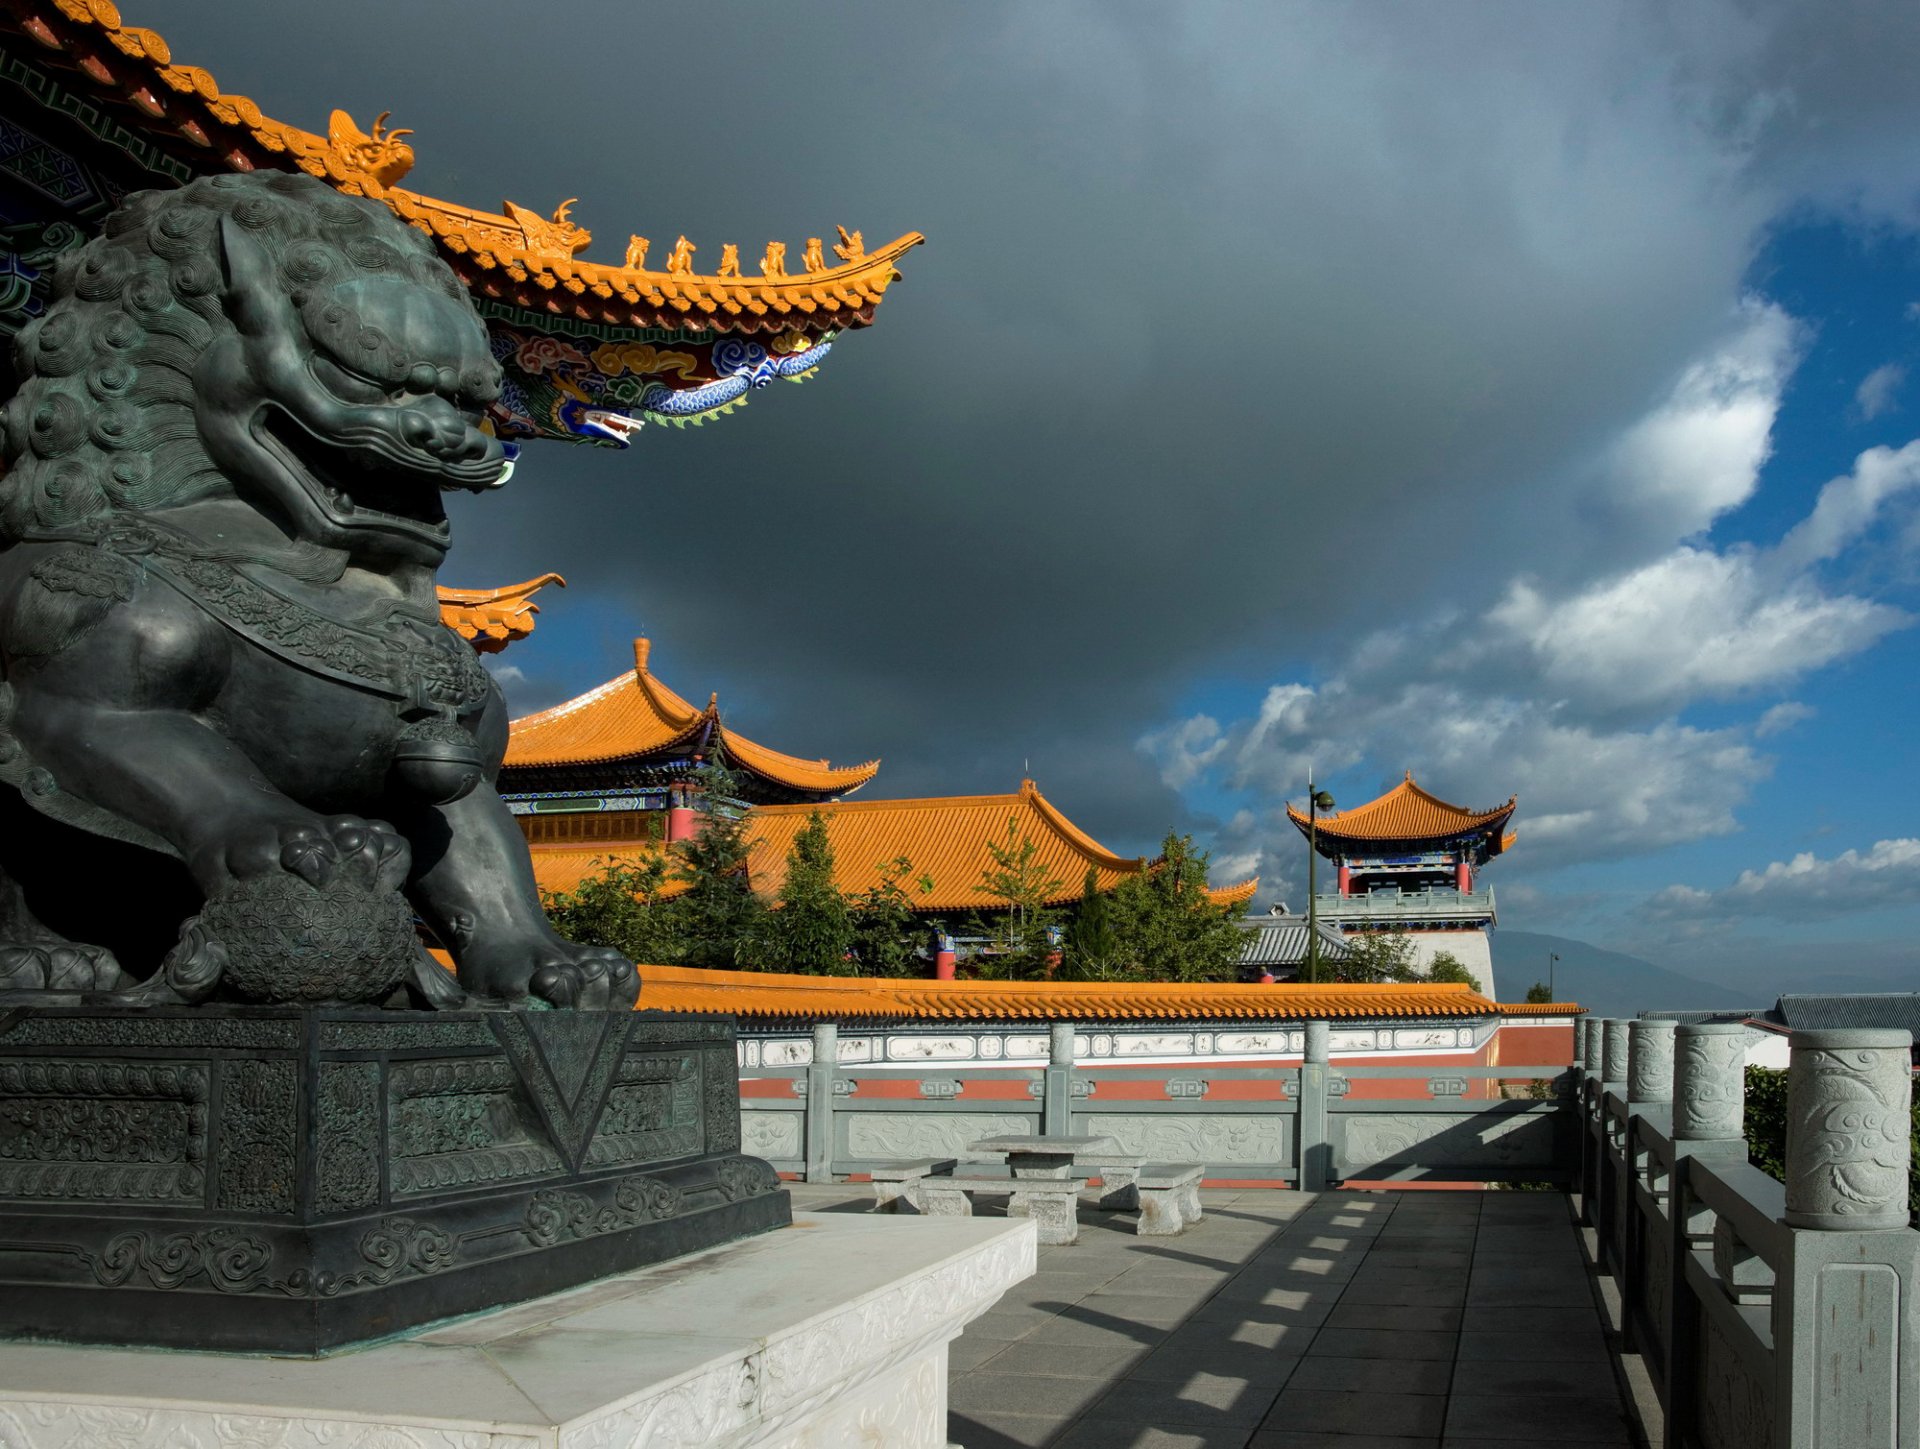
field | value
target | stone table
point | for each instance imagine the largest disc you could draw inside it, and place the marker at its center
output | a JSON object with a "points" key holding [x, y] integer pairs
{"points": [[1041, 1156]]}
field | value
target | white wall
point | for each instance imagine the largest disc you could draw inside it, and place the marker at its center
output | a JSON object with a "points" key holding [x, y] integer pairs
{"points": [[1470, 948]]}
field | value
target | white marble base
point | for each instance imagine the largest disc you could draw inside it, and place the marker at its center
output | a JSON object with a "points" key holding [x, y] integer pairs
{"points": [[830, 1333]]}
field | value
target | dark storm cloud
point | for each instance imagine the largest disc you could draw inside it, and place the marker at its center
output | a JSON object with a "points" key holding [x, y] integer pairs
{"points": [[1241, 329]]}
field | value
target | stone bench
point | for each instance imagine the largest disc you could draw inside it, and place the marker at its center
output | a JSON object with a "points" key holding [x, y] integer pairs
{"points": [[896, 1185], [1169, 1194], [1052, 1202], [1118, 1172]]}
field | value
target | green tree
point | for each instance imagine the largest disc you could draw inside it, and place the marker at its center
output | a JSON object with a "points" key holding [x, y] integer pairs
{"points": [[1377, 956], [1168, 927], [812, 930], [722, 917], [1018, 885], [621, 905], [886, 930], [1091, 951], [1539, 991], [1445, 966]]}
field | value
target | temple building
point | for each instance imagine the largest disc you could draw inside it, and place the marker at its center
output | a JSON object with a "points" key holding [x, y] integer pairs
{"points": [[613, 773], [618, 764], [1410, 862]]}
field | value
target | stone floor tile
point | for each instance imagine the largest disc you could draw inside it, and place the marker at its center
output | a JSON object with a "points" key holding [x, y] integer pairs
{"points": [[1586, 1345], [1311, 1439], [1530, 1318], [1382, 1343], [1555, 1419], [1067, 1360], [967, 1353], [1550, 1293], [1399, 1317], [1408, 1415], [1372, 1375], [1110, 1434], [1262, 1328], [1525, 1375], [1031, 1394], [1159, 1309], [1176, 1361], [1114, 1333], [1201, 1398], [984, 1430], [1414, 1294], [1006, 1323]]}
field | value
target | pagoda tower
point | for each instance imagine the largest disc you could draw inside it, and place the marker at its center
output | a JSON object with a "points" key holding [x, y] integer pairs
{"points": [[1410, 862], [619, 763]]}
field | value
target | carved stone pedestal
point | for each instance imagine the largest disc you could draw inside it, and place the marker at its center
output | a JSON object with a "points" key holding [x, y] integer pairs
{"points": [[827, 1334], [293, 1181]]}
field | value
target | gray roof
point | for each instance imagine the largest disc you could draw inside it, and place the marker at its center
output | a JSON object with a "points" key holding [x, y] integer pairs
{"points": [[1812, 1011], [1282, 941]]}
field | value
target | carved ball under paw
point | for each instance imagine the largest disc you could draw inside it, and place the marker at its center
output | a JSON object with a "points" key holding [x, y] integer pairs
{"points": [[286, 941], [59, 967]]}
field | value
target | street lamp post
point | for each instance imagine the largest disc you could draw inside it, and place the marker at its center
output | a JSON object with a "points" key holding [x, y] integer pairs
{"points": [[1553, 959], [1317, 800]]}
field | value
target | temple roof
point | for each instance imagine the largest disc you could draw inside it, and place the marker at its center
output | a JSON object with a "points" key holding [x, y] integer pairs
{"points": [[1408, 813], [567, 328], [945, 838], [491, 619], [635, 715], [771, 995]]}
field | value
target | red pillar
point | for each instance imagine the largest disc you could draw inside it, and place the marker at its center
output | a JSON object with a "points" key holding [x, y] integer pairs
{"points": [[944, 957], [679, 823], [1463, 877], [1346, 879]]}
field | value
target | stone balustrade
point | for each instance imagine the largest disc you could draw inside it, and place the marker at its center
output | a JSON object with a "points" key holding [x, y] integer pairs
{"points": [[1769, 1315]]}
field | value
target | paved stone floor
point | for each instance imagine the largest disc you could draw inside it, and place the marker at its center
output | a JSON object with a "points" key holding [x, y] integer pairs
{"points": [[1438, 1320]]}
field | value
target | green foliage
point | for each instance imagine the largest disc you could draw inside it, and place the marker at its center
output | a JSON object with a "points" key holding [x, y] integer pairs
{"points": [[722, 916], [1375, 956], [1539, 992], [812, 931], [620, 906], [885, 928], [1446, 966], [1019, 883], [1766, 1126], [1169, 929], [1091, 951]]}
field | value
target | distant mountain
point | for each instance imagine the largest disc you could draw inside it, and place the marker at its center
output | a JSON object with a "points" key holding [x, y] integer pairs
{"points": [[1607, 983]]}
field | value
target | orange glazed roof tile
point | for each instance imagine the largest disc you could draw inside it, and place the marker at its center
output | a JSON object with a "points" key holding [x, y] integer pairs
{"points": [[520, 256], [635, 714], [491, 619], [776, 995], [1406, 812], [945, 838]]}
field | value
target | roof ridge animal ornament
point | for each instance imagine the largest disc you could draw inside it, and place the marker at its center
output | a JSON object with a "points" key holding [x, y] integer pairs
{"points": [[240, 753]]}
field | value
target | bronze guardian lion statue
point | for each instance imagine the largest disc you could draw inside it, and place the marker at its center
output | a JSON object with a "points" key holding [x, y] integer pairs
{"points": [[240, 752]]}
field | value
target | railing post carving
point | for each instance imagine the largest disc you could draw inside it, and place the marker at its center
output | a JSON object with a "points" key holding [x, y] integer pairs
{"points": [[1849, 1116], [1056, 1093], [1650, 1060], [819, 1139], [1315, 1147], [1710, 1082]]}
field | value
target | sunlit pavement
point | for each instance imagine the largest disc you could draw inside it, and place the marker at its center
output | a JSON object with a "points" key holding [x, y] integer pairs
{"points": [[1350, 1320]]}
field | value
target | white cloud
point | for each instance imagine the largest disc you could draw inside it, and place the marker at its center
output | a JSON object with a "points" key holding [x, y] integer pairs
{"points": [[1878, 390], [507, 676], [1782, 717], [1848, 505], [1185, 750], [1806, 887]]}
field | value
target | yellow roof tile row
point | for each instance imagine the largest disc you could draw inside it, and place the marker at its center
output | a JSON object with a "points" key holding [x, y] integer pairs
{"points": [[945, 839], [491, 619], [522, 253], [1406, 812], [827, 998]]}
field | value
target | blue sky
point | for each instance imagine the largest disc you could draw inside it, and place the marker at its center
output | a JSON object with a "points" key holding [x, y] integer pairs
{"points": [[1515, 393]]}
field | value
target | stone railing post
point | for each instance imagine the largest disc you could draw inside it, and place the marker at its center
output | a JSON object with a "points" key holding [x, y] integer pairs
{"points": [[1843, 1326], [1315, 1148], [1587, 1095], [820, 1074], [1610, 1170], [1056, 1091], [1649, 1088], [1650, 1061], [1709, 1116], [1613, 1051]]}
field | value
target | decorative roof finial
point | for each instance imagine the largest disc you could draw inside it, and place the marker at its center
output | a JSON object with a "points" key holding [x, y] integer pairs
{"points": [[637, 253], [680, 264], [813, 261], [774, 262], [553, 236], [851, 247], [729, 260], [383, 155]]}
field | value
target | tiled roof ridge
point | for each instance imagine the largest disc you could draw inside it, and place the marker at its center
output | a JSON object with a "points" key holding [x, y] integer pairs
{"points": [[521, 246], [490, 619], [1464, 818]]}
